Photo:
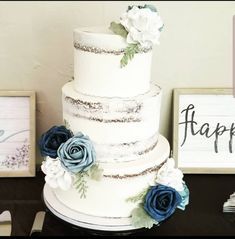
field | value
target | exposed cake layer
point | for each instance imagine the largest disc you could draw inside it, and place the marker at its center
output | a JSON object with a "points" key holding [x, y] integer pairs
{"points": [[97, 71], [120, 128], [108, 197]]}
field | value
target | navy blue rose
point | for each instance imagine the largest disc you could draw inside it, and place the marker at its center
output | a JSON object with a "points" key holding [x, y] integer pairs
{"points": [[51, 140], [77, 154], [161, 202]]}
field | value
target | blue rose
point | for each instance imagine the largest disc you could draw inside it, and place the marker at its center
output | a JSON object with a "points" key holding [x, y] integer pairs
{"points": [[51, 140], [161, 202], [77, 154], [185, 197]]}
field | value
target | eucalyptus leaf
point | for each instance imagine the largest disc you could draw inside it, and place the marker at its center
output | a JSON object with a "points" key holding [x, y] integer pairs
{"points": [[139, 197], [96, 172], [118, 29], [140, 218]]}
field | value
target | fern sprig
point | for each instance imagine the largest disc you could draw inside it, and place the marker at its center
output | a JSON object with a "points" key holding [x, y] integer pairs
{"points": [[80, 183], [129, 54]]}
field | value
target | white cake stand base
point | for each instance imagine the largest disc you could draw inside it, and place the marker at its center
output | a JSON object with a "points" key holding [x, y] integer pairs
{"points": [[83, 220]]}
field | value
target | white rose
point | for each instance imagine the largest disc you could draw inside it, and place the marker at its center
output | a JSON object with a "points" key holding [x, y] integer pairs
{"points": [[142, 25], [170, 176], [56, 175]]}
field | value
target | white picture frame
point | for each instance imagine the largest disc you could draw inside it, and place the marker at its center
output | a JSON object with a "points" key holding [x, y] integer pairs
{"points": [[17, 133], [204, 130]]}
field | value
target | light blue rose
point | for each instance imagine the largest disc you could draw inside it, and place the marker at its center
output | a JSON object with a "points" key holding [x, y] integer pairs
{"points": [[77, 154], [185, 197]]}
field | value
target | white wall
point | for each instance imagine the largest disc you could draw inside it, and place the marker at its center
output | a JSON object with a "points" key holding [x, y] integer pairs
{"points": [[36, 48]]}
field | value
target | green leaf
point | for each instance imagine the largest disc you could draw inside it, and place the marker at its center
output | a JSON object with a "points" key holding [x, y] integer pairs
{"points": [[140, 218], [118, 29], [139, 197], [151, 7], [95, 172], [129, 53], [66, 124], [80, 183]]}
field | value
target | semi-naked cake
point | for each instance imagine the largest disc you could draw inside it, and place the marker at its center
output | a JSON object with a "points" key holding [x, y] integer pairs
{"points": [[99, 74], [112, 105]]}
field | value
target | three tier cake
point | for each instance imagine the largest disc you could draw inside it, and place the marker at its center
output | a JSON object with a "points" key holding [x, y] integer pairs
{"points": [[109, 164]]}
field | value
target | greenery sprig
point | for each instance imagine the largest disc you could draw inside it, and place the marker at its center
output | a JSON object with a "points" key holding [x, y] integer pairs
{"points": [[80, 182], [95, 172], [66, 124], [129, 53], [131, 49], [139, 197], [140, 218], [118, 29]]}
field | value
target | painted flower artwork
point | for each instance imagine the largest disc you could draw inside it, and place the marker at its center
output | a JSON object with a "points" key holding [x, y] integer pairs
{"points": [[14, 134], [19, 159]]}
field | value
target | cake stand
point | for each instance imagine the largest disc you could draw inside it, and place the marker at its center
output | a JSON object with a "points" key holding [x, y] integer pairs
{"points": [[60, 210]]}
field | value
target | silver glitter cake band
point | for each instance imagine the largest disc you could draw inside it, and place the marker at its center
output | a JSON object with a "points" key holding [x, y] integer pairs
{"points": [[97, 50]]}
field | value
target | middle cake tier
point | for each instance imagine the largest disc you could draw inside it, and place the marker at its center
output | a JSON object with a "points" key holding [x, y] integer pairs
{"points": [[121, 129]]}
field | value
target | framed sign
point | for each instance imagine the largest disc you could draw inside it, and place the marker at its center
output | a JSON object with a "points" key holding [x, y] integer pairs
{"points": [[17, 134], [204, 130]]}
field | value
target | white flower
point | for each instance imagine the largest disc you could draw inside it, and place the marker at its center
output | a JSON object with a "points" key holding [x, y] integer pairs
{"points": [[56, 175], [143, 26], [170, 176]]}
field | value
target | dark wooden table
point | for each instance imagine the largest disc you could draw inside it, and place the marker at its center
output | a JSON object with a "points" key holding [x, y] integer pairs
{"points": [[22, 197], [202, 217]]}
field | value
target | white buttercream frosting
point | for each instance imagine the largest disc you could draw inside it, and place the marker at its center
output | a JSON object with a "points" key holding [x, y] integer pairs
{"points": [[100, 74], [120, 128], [99, 37], [108, 197]]}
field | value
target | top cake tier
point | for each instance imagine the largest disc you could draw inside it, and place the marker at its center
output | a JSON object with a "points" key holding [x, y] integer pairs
{"points": [[97, 69]]}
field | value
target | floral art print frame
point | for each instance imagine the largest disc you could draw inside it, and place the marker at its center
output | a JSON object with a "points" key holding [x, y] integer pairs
{"points": [[204, 130], [17, 133]]}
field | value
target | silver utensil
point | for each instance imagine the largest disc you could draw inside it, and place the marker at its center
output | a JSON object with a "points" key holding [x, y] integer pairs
{"points": [[5, 223], [38, 223]]}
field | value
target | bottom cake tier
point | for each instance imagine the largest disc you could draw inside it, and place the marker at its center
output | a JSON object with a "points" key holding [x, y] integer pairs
{"points": [[120, 181], [83, 220]]}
